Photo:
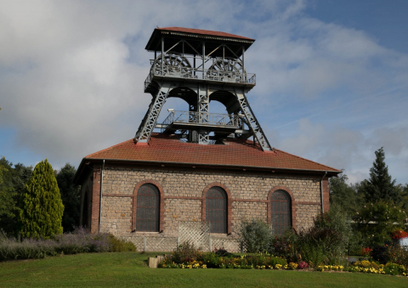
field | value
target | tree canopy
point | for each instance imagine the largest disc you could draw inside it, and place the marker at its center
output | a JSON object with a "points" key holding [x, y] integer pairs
{"points": [[13, 180], [71, 197], [42, 208], [380, 185], [344, 195]]}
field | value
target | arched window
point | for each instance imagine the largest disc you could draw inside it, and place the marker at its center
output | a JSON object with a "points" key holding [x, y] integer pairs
{"points": [[216, 209], [281, 212], [148, 208]]}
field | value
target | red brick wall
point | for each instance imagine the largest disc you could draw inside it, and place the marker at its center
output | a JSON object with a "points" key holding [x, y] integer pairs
{"points": [[96, 190], [326, 195]]}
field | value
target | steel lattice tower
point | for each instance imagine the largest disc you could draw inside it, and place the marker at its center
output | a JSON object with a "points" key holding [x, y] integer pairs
{"points": [[200, 66]]}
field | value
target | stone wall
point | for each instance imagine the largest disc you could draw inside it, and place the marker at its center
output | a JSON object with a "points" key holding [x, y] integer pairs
{"points": [[183, 199]]}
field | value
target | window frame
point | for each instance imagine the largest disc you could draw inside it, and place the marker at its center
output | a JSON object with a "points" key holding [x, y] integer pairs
{"points": [[292, 206], [160, 220], [228, 204]]}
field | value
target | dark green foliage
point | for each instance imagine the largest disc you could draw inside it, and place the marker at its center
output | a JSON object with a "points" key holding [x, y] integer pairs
{"points": [[380, 186], [380, 254], [186, 253], [222, 252], [344, 195], [42, 208], [119, 245], [255, 236], [404, 195], [71, 197], [398, 254], [376, 222], [11, 188], [7, 202], [324, 243]]}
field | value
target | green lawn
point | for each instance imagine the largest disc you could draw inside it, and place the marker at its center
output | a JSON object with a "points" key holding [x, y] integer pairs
{"points": [[130, 270]]}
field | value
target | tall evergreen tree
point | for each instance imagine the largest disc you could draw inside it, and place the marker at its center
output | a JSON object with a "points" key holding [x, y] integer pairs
{"points": [[42, 208], [380, 186], [71, 196]]}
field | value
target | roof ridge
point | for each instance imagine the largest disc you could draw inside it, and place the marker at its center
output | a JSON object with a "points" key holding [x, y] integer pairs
{"points": [[204, 32], [311, 161], [236, 152]]}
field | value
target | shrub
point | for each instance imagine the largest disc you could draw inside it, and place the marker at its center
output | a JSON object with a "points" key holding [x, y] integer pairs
{"points": [[398, 254], [378, 221], [222, 252], [120, 245], [79, 241], [324, 243], [211, 260], [186, 253], [303, 265], [380, 254], [394, 269], [284, 246], [255, 236]]}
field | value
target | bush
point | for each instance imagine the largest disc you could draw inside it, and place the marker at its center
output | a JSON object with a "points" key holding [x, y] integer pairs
{"points": [[255, 236], [324, 243], [186, 253], [398, 254], [119, 245], [79, 241], [377, 222], [284, 246], [380, 254]]}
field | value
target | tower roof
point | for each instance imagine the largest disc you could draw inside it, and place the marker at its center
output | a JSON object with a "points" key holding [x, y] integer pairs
{"points": [[195, 37], [168, 150]]}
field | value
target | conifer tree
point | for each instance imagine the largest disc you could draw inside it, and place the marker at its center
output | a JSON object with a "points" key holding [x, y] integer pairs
{"points": [[380, 186], [42, 207], [71, 197]]}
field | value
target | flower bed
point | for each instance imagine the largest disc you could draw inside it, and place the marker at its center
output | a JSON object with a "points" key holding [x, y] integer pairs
{"points": [[186, 257]]}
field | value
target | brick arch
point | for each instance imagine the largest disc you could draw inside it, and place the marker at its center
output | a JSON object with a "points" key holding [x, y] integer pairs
{"points": [[161, 201], [229, 203], [292, 202]]}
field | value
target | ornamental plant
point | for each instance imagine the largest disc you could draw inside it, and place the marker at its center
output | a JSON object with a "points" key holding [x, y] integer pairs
{"points": [[365, 251], [378, 221], [398, 254], [399, 234], [42, 208], [303, 265], [255, 236]]}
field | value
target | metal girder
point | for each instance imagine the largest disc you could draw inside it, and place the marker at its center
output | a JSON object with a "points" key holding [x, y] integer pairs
{"points": [[149, 121], [252, 122], [203, 109]]}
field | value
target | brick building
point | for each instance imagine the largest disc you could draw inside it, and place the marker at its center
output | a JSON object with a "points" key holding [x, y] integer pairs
{"points": [[202, 167]]}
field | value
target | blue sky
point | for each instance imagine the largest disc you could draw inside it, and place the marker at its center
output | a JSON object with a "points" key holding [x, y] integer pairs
{"points": [[332, 76]]}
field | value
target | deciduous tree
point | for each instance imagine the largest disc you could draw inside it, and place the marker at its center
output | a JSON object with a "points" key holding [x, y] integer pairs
{"points": [[344, 195]]}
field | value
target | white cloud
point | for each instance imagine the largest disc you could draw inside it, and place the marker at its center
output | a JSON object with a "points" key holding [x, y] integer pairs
{"points": [[72, 73]]}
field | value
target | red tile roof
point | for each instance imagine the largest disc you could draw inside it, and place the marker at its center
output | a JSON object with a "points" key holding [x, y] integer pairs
{"points": [[235, 153], [204, 32]]}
